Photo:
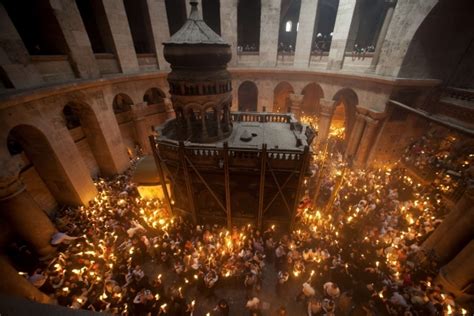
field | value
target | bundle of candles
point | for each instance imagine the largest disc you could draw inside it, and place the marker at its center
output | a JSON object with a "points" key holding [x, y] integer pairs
{"points": [[361, 232]]}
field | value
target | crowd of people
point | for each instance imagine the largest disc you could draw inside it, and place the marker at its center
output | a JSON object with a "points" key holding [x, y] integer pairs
{"points": [[353, 250], [443, 158]]}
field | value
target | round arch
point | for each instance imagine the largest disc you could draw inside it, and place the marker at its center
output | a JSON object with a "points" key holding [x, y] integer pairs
{"points": [[44, 157], [248, 96], [344, 116], [154, 96], [312, 93], [122, 103], [280, 97]]}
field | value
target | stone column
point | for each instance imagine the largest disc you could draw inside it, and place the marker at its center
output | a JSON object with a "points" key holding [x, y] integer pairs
{"points": [[169, 109], [16, 285], [325, 118], [228, 17], [304, 39], [269, 29], [160, 29], [188, 7], [218, 118], [345, 13], [75, 34], [455, 231], [203, 126], [25, 217], [14, 58], [356, 135], [142, 129], [189, 124], [121, 35], [458, 273], [296, 100], [383, 33], [366, 141]]}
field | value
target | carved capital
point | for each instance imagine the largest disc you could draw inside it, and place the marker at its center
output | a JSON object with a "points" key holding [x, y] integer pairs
{"points": [[327, 107], [296, 99]]}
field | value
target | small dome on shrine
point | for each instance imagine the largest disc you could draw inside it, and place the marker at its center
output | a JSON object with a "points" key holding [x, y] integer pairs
{"points": [[196, 44]]}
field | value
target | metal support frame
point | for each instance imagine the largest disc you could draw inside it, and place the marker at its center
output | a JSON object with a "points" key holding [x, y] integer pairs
{"points": [[225, 153], [189, 187], [304, 166], [261, 193], [206, 185], [280, 189], [277, 193], [157, 158]]}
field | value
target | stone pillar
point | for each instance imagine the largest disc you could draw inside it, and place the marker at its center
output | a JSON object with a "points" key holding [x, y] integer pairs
{"points": [[296, 100], [218, 117], [304, 39], [325, 118], [356, 135], [169, 109], [121, 35], [160, 29], [203, 126], [25, 217], [457, 274], [269, 29], [345, 13], [188, 7], [14, 58], [382, 34], [16, 285], [75, 34], [142, 129], [228, 17], [455, 231], [366, 141]]}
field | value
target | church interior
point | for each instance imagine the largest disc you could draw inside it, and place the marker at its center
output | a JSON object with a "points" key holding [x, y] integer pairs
{"points": [[237, 157]]}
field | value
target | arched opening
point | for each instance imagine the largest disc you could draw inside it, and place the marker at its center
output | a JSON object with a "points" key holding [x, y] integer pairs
{"points": [[366, 24], [280, 97], [43, 173], [439, 49], [37, 26], [211, 11], [154, 96], [176, 12], [140, 25], [94, 19], [324, 25], [248, 97], [122, 106], [289, 17], [89, 138], [122, 103], [71, 114], [312, 94], [248, 25], [344, 114]]}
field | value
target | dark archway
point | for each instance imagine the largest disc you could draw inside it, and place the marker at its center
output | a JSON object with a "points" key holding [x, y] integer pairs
{"points": [[344, 115], [289, 16], [248, 25], [176, 12], [443, 46], [248, 97], [324, 25], [280, 97], [312, 94], [211, 12], [154, 96], [122, 103]]}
